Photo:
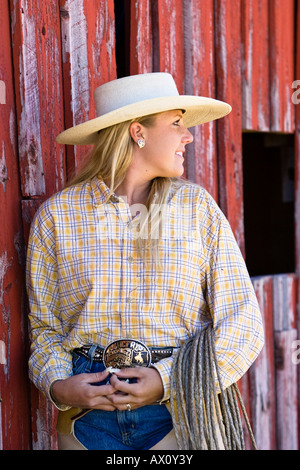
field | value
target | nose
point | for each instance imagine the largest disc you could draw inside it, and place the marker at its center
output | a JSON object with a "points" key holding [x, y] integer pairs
{"points": [[187, 136]]}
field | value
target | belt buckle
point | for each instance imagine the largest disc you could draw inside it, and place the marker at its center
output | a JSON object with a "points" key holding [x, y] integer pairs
{"points": [[124, 353]]}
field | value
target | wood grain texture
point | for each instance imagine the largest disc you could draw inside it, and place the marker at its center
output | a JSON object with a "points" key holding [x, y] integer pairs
{"points": [[282, 57], [14, 398], [201, 159], [229, 89], [296, 104], [88, 56], [141, 60], [39, 98], [55, 54], [262, 373], [255, 65]]}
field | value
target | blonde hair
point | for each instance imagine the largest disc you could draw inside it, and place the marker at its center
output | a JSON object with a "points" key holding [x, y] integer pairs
{"points": [[110, 160]]}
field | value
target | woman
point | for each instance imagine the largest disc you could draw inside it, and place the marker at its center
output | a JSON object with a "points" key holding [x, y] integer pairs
{"points": [[128, 262]]}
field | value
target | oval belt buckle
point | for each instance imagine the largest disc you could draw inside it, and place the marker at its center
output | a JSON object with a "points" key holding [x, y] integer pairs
{"points": [[126, 353]]}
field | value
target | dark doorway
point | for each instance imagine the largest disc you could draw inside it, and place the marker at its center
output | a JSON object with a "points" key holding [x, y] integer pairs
{"points": [[268, 169]]}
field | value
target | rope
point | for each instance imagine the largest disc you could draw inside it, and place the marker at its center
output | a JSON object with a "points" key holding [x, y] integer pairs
{"points": [[202, 417]]}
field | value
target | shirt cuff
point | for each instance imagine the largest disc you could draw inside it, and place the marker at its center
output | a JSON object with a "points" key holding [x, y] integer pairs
{"points": [[164, 367], [53, 400], [49, 379]]}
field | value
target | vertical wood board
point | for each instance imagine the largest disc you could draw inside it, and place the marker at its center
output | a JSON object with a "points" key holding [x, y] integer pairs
{"points": [[229, 89], [201, 158], [140, 37], [281, 37], [284, 310], [14, 400], [286, 391], [296, 99], [255, 65], [262, 372], [170, 37], [88, 55], [39, 99]]}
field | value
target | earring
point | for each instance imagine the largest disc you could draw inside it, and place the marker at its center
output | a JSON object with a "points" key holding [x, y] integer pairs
{"points": [[141, 143]]}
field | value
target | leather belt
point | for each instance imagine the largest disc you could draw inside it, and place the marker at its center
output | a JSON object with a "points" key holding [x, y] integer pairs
{"points": [[126, 353]]}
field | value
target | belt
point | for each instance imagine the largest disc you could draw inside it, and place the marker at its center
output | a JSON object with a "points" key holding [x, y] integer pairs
{"points": [[126, 353]]}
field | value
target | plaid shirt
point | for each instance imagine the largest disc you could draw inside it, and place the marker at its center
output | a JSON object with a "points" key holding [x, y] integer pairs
{"points": [[87, 283]]}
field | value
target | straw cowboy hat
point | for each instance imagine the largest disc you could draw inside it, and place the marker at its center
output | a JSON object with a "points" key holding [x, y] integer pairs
{"points": [[140, 95]]}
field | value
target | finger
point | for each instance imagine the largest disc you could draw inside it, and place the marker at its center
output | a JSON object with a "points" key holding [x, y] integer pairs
{"points": [[130, 372], [121, 402], [121, 385], [105, 404], [95, 377]]}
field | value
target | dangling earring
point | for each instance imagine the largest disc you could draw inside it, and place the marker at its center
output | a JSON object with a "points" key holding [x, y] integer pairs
{"points": [[141, 143]]}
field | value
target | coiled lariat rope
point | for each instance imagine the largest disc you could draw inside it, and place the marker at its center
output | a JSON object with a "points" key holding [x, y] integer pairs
{"points": [[203, 418]]}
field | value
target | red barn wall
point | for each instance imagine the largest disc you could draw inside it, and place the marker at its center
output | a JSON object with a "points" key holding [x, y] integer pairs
{"points": [[245, 52]]}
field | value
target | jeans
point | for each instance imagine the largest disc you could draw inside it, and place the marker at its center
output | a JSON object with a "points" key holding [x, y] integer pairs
{"points": [[138, 429]]}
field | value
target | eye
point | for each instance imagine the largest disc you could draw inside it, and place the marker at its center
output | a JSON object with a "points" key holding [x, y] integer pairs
{"points": [[176, 123]]}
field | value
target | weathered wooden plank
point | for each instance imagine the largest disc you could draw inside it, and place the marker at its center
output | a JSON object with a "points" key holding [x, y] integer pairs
{"points": [[14, 400], [281, 36], [44, 417], [39, 99], [284, 310], [43, 414], [286, 391], [261, 373], [201, 157], [296, 103], [285, 333], [255, 64], [88, 54], [229, 89], [170, 39], [140, 37]]}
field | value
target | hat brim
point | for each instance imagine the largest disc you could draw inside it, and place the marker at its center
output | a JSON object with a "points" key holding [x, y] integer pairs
{"points": [[198, 110]]}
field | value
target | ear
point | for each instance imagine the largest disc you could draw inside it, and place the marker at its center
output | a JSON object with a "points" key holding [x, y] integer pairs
{"points": [[136, 131]]}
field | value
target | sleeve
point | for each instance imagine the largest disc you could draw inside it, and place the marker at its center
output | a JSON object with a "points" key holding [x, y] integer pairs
{"points": [[48, 361], [164, 368], [233, 307]]}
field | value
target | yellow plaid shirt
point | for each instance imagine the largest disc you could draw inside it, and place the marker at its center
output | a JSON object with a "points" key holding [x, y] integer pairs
{"points": [[87, 283]]}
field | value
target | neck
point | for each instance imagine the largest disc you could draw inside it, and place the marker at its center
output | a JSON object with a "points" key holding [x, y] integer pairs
{"points": [[134, 193]]}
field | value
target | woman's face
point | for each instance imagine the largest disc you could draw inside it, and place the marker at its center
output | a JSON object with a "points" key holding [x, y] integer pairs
{"points": [[165, 141]]}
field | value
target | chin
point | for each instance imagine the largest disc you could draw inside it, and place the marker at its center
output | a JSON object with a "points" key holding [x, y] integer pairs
{"points": [[175, 173], [178, 173]]}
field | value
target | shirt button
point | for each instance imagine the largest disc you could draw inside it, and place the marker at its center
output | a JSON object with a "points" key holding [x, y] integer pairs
{"points": [[128, 300], [130, 259]]}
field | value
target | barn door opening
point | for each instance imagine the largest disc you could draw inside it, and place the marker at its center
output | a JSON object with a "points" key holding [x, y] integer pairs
{"points": [[122, 27], [268, 169]]}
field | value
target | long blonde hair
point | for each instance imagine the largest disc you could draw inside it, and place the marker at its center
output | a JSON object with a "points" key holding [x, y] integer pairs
{"points": [[110, 160]]}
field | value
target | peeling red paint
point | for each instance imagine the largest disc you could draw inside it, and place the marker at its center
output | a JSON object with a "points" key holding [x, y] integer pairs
{"points": [[56, 53], [229, 88], [140, 37], [256, 82], [282, 57]]}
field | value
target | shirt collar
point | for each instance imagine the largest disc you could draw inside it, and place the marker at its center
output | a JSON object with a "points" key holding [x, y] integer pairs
{"points": [[100, 192]]}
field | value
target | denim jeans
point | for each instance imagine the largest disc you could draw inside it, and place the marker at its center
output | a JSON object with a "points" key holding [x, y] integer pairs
{"points": [[138, 429]]}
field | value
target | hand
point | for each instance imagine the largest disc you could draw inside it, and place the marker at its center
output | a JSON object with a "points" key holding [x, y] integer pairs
{"points": [[78, 391], [147, 390]]}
